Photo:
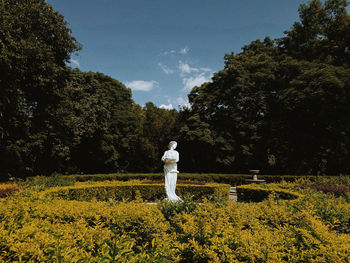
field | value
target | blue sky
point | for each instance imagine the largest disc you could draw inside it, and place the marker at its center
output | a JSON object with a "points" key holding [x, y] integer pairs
{"points": [[162, 48]]}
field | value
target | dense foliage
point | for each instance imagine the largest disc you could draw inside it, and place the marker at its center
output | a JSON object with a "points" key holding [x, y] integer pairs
{"points": [[57, 119], [257, 193], [313, 228], [35, 44], [231, 179], [281, 106], [131, 190]]}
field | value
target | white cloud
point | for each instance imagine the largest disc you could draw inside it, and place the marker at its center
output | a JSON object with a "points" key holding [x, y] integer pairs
{"points": [[186, 68], [190, 75], [184, 50], [166, 69], [141, 85], [182, 102], [74, 62], [190, 82], [165, 53], [166, 107]]}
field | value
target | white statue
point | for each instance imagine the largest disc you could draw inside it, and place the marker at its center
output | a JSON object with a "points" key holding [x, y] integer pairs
{"points": [[170, 159]]}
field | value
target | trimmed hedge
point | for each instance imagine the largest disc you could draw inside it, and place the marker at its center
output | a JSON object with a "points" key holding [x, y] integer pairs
{"points": [[114, 177], [104, 191], [49, 181], [231, 179], [337, 190], [257, 193]]}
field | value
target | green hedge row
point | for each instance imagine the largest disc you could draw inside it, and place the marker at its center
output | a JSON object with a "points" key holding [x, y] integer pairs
{"points": [[114, 176], [231, 179], [257, 193], [130, 190]]}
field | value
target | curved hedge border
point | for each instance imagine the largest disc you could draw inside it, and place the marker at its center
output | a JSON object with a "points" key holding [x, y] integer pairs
{"points": [[7, 189], [232, 179], [103, 191], [256, 193]]}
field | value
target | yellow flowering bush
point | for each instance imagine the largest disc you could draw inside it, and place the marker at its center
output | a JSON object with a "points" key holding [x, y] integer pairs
{"points": [[42, 230], [334, 212], [36, 226], [266, 232], [103, 191]]}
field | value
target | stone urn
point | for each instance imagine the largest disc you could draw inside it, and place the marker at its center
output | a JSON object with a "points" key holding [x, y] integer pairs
{"points": [[254, 173]]}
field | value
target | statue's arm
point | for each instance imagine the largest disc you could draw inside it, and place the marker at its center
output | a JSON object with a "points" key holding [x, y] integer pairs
{"points": [[164, 156]]}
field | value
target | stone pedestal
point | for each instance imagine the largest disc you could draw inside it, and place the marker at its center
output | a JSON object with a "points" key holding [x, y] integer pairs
{"points": [[255, 177]]}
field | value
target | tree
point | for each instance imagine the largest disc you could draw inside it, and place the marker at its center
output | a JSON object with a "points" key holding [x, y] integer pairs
{"points": [[280, 107], [157, 131], [322, 35], [233, 108], [196, 143], [35, 44], [310, 128], [99, 124]]}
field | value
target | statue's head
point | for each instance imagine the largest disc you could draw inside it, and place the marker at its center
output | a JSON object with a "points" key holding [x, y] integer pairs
{"points": [[172, 145]]}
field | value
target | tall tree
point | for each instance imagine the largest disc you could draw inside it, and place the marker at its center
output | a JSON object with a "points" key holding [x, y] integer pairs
{"points": [[280, 107], [322, 35], [157, 131], [35, 44], [99, 124], [232, 108]]}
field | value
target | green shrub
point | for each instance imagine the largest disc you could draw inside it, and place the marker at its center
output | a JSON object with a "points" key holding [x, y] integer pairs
{"points": [[325, 180], [337, 190], [114, 177], [258, 193], [169, 209], [231, 179], [104, 191], [49, 181]]}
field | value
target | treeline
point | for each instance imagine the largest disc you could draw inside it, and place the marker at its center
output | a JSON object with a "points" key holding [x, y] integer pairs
{"points": [[57, 119], [280, 105]]}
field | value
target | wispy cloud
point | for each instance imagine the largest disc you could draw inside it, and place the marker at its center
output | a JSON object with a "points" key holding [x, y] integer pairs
{"points": [[165, 69], [165, 53], [192, 76], [193, 81], [186, 68], [141, 85], [184, 50], [166, 107], [74, 62], [189, 73]]}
